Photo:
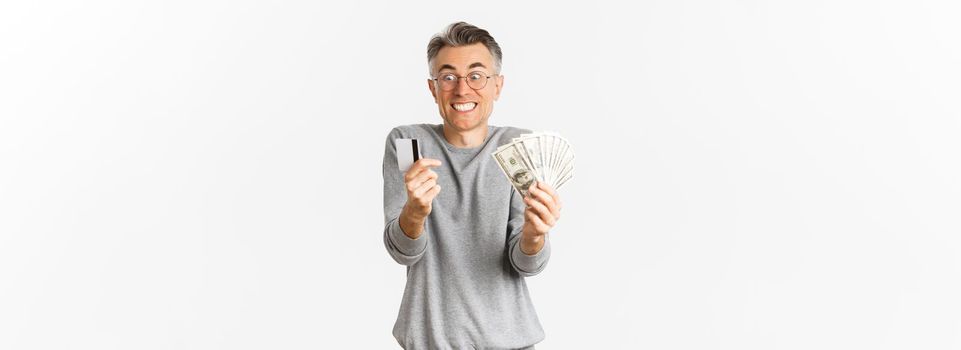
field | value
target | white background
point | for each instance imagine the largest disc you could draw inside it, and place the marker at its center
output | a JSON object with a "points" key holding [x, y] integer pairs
{"points": [[751, 175]]}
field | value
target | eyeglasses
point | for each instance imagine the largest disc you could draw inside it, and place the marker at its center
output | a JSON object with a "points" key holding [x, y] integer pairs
{"points": [[475, 80]]}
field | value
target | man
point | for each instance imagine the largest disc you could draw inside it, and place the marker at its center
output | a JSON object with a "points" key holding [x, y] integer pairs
{"points": [[467, 237]]}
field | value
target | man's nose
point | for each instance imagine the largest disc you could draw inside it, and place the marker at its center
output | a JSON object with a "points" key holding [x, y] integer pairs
{"points": [[462, 88]]}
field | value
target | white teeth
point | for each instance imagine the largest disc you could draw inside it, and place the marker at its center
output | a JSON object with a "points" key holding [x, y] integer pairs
{"points": [[464, 107]]}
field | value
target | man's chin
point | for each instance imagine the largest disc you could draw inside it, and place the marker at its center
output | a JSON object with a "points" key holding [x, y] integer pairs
{"points": [[464, 124]]}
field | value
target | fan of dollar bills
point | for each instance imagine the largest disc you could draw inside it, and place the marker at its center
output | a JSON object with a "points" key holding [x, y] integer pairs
{"points": [[541, 156]]}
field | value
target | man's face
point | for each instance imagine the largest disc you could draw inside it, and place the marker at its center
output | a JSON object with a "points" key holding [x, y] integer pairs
{"points": [[523, 178], [462, 107]]}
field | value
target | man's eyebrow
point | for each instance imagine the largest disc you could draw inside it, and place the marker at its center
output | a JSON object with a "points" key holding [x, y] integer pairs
{"points": [[472, 66]]}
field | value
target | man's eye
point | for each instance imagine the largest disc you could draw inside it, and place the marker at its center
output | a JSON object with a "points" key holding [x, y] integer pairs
{"points": [[448, 77], [475, 76]]}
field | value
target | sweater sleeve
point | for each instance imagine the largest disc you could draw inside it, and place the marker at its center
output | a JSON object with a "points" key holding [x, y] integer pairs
{"points": [[402, 249], [526, 265]]}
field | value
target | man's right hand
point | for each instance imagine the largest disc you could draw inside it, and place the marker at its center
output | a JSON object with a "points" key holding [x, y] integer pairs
{"points": [[422, 187]]}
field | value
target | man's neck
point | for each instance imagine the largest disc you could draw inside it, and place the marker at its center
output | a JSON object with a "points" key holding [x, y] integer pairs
{"points": [[466, 139]]}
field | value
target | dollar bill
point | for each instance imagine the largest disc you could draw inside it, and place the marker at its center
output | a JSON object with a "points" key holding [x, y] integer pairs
{"points": [[514, 165], [532, 146], [542, 156]]}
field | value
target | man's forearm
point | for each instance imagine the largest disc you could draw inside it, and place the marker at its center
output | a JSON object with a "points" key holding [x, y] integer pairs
{"points": [[410, 224]]}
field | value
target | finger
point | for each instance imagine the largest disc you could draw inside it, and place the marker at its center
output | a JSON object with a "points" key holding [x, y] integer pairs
{"points": [[556, 209], [423, 188], [412, 173], [541, 210], [553, 193], [419, 180], [425, 163], [432, 193], [550, 191], [547, 200], [543, 186], [536, 222], [538, 193], [419, 166], [425, 175], [428, 195]]}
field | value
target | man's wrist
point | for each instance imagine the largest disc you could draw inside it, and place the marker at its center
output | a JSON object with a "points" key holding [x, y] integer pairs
{"points": [[411, 224], [531, 244], [407, 211]]}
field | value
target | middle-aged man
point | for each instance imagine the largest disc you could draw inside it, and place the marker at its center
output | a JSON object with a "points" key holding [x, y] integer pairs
{"points": [[467, 237]]}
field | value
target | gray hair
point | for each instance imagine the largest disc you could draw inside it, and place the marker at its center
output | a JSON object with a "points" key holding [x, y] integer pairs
{"points": [[462, 34]]}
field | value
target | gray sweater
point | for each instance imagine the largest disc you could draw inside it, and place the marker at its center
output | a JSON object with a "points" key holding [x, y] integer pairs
{"points": [[465, 273]]}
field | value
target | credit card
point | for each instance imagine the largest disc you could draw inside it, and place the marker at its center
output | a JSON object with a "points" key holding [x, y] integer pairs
{"points": [[408, 152]]}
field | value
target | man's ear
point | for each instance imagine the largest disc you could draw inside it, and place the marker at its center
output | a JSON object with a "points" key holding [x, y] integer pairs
{"points": [[432, 87], [498, 84]]}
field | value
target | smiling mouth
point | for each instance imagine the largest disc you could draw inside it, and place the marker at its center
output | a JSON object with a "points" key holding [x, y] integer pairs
{"points": [[464, 107]]}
